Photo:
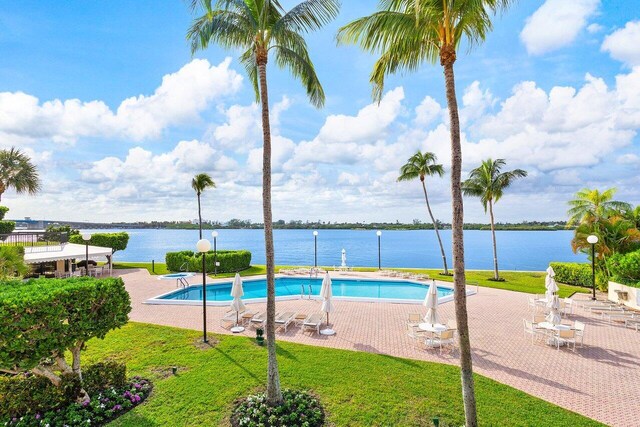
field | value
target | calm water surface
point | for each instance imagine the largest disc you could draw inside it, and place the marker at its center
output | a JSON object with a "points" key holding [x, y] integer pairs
{"points": [[517, 250]]}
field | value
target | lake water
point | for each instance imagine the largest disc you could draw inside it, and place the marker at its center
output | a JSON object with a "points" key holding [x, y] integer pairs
{"points": [[517, 250]]}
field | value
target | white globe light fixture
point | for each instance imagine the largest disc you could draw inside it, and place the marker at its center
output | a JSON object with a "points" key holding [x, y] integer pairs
{"points": [[315, 233], [86, 236], [214, 234], [593, 239], [203, 247]]}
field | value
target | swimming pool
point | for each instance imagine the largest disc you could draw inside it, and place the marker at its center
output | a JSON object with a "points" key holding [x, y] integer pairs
{"points": [[293, 287]]}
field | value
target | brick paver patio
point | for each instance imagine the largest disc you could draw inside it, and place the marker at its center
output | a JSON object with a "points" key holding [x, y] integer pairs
{"points": [[600, 381]]}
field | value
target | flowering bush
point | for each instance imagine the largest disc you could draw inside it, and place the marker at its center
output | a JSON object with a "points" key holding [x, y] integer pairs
{"points": [[300, 409], [102, 408]]}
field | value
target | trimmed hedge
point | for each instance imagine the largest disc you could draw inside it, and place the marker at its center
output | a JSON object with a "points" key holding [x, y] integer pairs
{"points": [[3, 212], [230, 261], [6, 227], [43, 318], [115, 241], [625, 268], [573, 273]]}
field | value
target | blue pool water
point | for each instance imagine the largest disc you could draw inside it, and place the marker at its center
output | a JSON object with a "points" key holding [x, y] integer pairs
{"points": [[291, 286]]}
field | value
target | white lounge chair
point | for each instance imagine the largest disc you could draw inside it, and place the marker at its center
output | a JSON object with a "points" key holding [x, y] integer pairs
{"points": [[633, 323], [532, 331], [313, 321], [259, 320], [579, 327], [284, 319]]}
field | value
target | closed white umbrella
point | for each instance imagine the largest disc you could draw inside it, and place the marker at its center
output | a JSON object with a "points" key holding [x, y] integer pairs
{"points": [[550, 281], [327, 305], [431, 302], [553, 303], [237, 305], [344, 258]]}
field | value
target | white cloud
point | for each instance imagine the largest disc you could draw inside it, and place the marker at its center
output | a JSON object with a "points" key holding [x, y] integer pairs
{"points": [[624, 44], [180, 98], [628, 159], [556, 24], [594, 28]]}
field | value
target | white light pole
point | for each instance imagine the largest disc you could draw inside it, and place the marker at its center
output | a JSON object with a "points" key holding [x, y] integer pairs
{"points": [[593, 239], [203, 246], [379, 234], [86, 237], [214, 234], [315, 248]]}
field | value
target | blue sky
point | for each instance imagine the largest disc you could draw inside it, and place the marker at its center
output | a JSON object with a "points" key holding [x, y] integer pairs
{"points": [[102, 159]]}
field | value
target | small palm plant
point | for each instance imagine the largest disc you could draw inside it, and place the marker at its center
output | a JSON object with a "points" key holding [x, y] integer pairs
{"points": [[419, 166], [488, 182], [258, 29], [590, 206], [199, 183], [17, 171]]}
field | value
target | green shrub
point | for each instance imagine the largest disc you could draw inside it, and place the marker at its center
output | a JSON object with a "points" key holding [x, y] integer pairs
{"points": [[573, 273], [103, 375], [22, 394], [6, 227], [3, 212], [12, 262], [230, 261], [115, 241], [299, 409], [625, 268], [44, 318]]}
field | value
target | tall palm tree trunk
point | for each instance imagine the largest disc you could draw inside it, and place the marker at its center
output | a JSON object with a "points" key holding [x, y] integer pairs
{"points": [[274, 394], [199, 217], [447, 58], [435, 227], [496, 276]]}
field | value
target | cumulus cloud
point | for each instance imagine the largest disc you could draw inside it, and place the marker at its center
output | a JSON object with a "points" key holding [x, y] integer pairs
{"points": [[556, 24], [180, 98], [623, 44]]}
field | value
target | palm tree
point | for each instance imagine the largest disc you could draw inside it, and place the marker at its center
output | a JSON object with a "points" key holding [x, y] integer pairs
{"points": [[18, 172], [257, 28], [408, 33], [489, 182], [421, 165], [199, 183], [589, 206]]}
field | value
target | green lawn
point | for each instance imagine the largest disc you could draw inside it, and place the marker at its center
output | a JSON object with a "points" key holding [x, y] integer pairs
{"points": [[356, 388], [519, 281]]}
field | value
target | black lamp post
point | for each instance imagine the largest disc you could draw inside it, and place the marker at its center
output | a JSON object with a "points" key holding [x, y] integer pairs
{"points": [[593, 239], [214, 234], [315, 248], [203, 246], [379, 234], [86, 237]]}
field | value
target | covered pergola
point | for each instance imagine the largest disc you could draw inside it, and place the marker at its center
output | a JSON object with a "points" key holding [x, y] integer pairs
{"points": [[66, 252]]}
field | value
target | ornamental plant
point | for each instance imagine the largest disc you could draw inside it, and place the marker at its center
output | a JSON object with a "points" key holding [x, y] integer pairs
{"points": [[42, 319], [298, 409], [115, 241]]}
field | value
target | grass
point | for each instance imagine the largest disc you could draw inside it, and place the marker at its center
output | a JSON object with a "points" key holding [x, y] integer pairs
{"points": [[356, 388], [518, 281]]}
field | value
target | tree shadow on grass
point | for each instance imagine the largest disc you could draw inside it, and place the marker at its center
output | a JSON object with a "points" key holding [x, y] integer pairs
{"points": [[238, 364]]}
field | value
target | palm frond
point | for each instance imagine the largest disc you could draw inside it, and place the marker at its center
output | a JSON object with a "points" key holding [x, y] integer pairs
{"points": [[310, 15]]}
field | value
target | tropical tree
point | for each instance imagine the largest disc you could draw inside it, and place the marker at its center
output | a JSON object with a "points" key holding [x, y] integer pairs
{"points": [[18, 172], [199, 183], [488, 182], [257, 28], [408, 33], [590, 206], [419, 166]]}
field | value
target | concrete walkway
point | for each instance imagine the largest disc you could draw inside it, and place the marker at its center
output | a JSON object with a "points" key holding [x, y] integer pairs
{"points": [[600, 381]]}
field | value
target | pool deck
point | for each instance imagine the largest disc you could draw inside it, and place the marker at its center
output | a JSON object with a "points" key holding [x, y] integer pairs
{"points": [[600, 381]]}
